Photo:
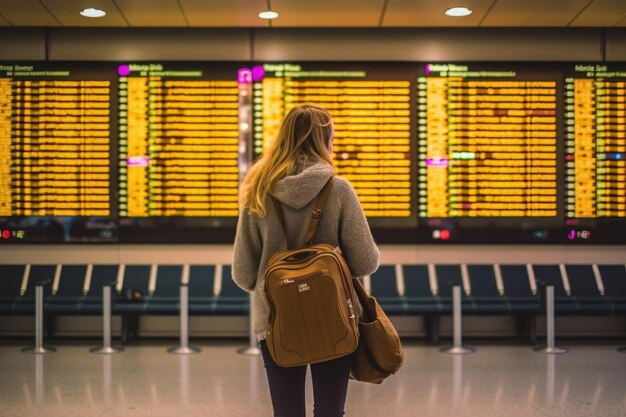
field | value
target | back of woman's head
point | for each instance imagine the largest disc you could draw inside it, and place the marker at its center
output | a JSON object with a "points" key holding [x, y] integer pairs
{"points": [[305, 134], [306, 131]]}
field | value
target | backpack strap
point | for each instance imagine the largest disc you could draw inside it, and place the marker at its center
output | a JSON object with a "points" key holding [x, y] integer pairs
{"points": [[281, 217], [317, 213]]}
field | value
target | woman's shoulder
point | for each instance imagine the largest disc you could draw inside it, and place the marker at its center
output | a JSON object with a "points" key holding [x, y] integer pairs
{"points": [[340, 183], [343, 188]]}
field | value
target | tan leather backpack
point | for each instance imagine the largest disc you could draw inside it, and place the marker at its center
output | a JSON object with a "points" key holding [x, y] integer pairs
{"points": [[312, 318]]}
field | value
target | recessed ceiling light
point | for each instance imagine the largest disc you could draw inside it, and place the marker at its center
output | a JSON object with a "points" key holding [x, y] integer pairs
{"points": [[91, 12], [458, 11], [268, 14]]}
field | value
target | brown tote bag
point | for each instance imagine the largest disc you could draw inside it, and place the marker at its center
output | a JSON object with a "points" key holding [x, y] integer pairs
{"points": [[379, 353]]}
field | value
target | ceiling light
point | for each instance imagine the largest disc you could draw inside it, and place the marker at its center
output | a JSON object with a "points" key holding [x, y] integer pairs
{"points": [[268, 14], [91, 12], [458, 11]]}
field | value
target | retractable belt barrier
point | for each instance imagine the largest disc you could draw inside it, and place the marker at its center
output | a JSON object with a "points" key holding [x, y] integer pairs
{"points": [[457, 346], [253, 348], [39, 348], [184, 348], [106, 348], [550, 348]]}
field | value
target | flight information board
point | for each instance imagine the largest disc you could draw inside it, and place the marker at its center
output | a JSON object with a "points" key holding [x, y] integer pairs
{"points": [[595, 150], [371, 106], [179, 135], [488, 149], [56, 145], [595, 110], [178, 154], [154, 152], [488, 143]]}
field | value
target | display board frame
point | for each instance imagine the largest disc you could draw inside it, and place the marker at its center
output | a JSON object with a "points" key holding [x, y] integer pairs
{"points": [[415, 229]]}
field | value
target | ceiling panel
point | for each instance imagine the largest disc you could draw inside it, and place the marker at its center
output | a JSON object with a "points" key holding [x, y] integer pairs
{"points": [[224, 12], [26, 13], [68, 12], [602, 13], [431, 12], [152, 12], [315, 13], [533, 12], [321, 13]]}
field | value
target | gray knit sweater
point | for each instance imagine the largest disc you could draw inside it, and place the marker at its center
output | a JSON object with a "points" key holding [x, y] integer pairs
{"points": [[342, 224]]}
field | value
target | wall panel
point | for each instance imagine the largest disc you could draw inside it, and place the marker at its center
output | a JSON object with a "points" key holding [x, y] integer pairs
{"points": [[616, 44], [149, 44], [436, 44], [372, 44], [22, 44]]}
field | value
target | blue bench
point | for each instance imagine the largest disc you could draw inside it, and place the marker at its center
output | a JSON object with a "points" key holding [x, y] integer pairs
{"points": [[417, 292], [424, 290], [518, 292], [499, 290], [11, 277], [384, 287], [523, 300], [77, 292], [91, 302], [551, 275], [230, 300], [585, 292], [165, 299], [614, 283], [69, 293]]}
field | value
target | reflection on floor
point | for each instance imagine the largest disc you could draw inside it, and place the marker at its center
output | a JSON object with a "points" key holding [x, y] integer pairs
{"points": [[146, 381]]}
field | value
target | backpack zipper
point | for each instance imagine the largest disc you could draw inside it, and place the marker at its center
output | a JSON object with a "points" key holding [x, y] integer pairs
{"points": [[295, 280], [351, 309], [346, 285]]}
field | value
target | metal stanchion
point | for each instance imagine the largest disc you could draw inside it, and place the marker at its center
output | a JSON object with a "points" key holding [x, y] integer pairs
{"points": [[457, 347], [253, 348], [106, 348], [623, 348], [184, 348], [550, 347], [39, 347]]}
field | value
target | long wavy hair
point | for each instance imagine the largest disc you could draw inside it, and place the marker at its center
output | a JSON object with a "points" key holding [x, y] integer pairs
{"points": [[306, 133]]}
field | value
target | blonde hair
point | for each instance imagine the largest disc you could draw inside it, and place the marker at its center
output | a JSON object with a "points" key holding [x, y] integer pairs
{"points": [[306, 133]]}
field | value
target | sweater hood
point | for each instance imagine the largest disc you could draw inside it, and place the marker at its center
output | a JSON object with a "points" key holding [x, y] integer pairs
{"points": [[296, 191]]}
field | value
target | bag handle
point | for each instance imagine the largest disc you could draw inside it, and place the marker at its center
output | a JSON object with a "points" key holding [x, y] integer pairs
{"points": [[368, 313], [317, 213], [299, 254]]}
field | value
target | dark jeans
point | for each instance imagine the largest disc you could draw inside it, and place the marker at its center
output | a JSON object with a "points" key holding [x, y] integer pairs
{"points": [[330, 385]]}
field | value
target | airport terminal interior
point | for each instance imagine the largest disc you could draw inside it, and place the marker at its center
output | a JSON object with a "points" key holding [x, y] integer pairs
{"points": [[485, 141]]}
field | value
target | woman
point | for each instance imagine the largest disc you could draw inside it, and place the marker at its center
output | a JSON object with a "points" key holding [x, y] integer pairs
{"points": [[293, 171]]}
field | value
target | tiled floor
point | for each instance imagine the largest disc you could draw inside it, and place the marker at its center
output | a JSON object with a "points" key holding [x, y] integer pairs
{"points": [[495, 381]]}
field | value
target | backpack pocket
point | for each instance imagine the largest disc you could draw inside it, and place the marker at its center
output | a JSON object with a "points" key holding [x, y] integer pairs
{"points": [[310, 325]]}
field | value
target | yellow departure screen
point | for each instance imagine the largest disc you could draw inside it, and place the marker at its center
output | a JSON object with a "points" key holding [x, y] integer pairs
{"points": [[487, 147], [372, 128], [595, 118], [55, 144], [178, 143]]}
